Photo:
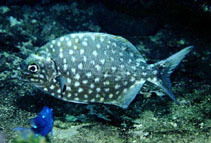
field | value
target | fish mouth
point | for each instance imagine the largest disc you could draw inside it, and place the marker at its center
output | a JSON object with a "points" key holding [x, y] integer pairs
{"points": [[25, 77], [37, 85]]}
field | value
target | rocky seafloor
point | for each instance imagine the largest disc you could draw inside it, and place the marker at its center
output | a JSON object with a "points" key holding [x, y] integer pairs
{"points": [[157, 29]]}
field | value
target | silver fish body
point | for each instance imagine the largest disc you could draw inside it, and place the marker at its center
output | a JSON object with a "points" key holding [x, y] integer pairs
{"points": [[96, 67]]}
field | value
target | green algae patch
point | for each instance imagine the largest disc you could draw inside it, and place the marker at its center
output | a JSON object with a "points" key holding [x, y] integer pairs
{"points": [[29, 138]]}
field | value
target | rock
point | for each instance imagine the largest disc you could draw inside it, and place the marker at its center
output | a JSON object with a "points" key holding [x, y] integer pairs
{"points": [[122, 24]]}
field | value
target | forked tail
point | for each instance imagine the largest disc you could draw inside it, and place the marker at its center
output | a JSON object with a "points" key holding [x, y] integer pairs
{"points": [[165, 68]]}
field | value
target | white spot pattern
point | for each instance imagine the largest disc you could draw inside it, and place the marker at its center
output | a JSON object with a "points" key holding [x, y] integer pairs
{"points": [[64, 60], [107, 89], [59, 91], [97, 79], [117, 86], [98, 67], [80, 90], [77, 84], [70, 52], [98, 89], [144, 73], [84, 58], [90, 91], [73, 59], [52, 87], [89, 74], [106, 82], [77, 76], [65, 67], [98, 46], [85, 81], [69, 43], [62, 39], [67, 38], [76, 40], [132, 79], [81, 51], [94, 53], [68, 80], [58, 44], [111, 95], [73, 70], [80, 66], [69, 95], [102, 61], [85, 96], [113, 69], [84, 43], [61, 55]]}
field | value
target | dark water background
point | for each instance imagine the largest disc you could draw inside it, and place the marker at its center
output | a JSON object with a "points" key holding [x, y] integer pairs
{"points": [[158, 28]]}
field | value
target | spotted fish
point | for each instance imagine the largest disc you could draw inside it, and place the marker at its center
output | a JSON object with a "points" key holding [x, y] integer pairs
{"points": [[96, 67]]}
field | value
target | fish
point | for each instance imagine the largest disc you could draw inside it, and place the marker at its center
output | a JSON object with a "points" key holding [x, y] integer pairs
{"points": [[42, 124], [92, 67]]}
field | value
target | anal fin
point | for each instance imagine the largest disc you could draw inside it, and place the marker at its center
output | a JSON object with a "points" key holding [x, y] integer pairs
{"points": [[126, 98]]}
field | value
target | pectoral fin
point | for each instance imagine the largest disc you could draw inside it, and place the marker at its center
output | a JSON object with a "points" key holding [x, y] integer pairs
{"points": [[62, 83]]}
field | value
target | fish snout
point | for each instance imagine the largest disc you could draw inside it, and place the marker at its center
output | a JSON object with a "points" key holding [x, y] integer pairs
{"points": [[23, 69], [23, 66]]}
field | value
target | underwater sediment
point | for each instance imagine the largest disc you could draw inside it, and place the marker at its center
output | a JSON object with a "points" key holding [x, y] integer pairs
{"points": [[156, 32]]}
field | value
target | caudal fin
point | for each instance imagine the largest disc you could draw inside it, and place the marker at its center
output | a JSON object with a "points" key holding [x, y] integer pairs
{"points": [[165, 68]]}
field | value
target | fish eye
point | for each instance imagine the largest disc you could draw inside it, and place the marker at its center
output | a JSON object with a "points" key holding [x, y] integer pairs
{"points": [[33, 68]]}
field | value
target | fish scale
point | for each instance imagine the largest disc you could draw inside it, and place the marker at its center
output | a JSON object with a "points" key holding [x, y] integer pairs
{"points": [[96, 67]]}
